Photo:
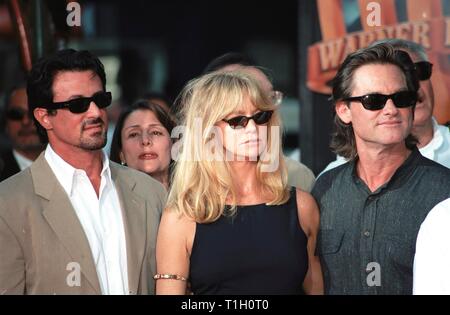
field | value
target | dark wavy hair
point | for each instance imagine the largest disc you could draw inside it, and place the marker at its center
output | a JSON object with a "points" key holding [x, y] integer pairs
{"points": [[163, 117], [41, 77], [343, 140]]}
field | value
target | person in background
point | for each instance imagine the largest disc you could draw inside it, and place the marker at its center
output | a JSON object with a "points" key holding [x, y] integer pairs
{"points": [[433, 139], [142, 140], [22, 133], [299, 175], [159, 99], [371, 208], [254, 234], [432, 256]]}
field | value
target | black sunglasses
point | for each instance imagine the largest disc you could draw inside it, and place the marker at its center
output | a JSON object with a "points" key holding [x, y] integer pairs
{"points": [[423, 70], [242, 121], [17, 114], [80, 105], [377, 101]]}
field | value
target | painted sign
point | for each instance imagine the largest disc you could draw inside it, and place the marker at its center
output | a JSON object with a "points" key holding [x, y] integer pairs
{"points": [[421, 21]]}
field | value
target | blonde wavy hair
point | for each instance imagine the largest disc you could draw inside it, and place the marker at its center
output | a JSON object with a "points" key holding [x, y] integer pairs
{"points": [[200, 186]]}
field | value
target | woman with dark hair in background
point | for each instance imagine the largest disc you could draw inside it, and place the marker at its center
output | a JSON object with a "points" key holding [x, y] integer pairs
{"points": [[142, 140]]}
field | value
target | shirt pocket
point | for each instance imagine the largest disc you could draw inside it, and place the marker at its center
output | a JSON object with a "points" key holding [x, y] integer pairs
{"points": [[330, 251], [329, 242]]}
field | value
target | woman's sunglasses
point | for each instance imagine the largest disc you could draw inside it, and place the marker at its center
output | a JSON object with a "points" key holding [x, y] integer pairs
{"points": [[260, 118], [423, 70], [80, 105], [377, 101]]}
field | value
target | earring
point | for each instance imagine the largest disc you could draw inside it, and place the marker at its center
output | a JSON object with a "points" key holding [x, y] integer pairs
{"points": [[123, 163]]}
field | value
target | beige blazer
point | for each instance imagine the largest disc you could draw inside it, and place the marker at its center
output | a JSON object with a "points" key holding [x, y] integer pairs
{"points": [[43, 247]]}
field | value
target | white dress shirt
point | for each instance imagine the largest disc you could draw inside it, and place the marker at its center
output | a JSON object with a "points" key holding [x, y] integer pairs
{"points": [[22, 161], [101, 219], [432, 258], [438, 149]]}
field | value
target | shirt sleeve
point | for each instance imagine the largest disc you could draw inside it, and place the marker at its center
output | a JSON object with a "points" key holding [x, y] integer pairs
{"points": [[432, 258], [338, 162]]}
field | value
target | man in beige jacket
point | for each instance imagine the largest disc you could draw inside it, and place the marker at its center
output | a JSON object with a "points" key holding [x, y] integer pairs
{"points": [[74, 222]]}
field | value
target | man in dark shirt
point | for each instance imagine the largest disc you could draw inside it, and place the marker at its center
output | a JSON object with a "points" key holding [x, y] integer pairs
{"points": [[372, 206]]}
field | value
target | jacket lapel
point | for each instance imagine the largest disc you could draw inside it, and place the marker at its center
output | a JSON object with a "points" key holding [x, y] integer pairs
{"points": [[134, 219], [60, 215]]}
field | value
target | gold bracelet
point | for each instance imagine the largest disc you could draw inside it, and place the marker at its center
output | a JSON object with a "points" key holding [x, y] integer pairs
{"points": [[169, 277]]}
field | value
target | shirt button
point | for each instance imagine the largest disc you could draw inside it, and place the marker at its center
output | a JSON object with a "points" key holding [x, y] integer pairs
{"points": [[366, 233]]}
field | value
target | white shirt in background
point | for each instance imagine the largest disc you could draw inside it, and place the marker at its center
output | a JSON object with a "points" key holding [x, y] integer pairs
{"points": [[22, 161], [438, 149], [101, 219], [432, 258]]}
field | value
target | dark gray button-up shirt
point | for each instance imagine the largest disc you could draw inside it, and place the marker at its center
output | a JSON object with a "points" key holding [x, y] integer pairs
{"points": [[366, 241]]}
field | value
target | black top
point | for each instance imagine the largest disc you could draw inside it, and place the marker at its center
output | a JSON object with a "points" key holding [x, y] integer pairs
{"points": [[260, 250], [10, 165], [366, 240]]}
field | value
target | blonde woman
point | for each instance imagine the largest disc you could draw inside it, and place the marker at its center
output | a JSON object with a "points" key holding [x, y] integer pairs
{"points": [[232, 225]]}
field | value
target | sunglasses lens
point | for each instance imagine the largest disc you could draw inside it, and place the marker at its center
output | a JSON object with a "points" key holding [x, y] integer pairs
{"points": [[102, 99], [15, 114], [262, 117], [404, 99], [238, 122], [424, 70], [373, 101], [79, 105]]}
